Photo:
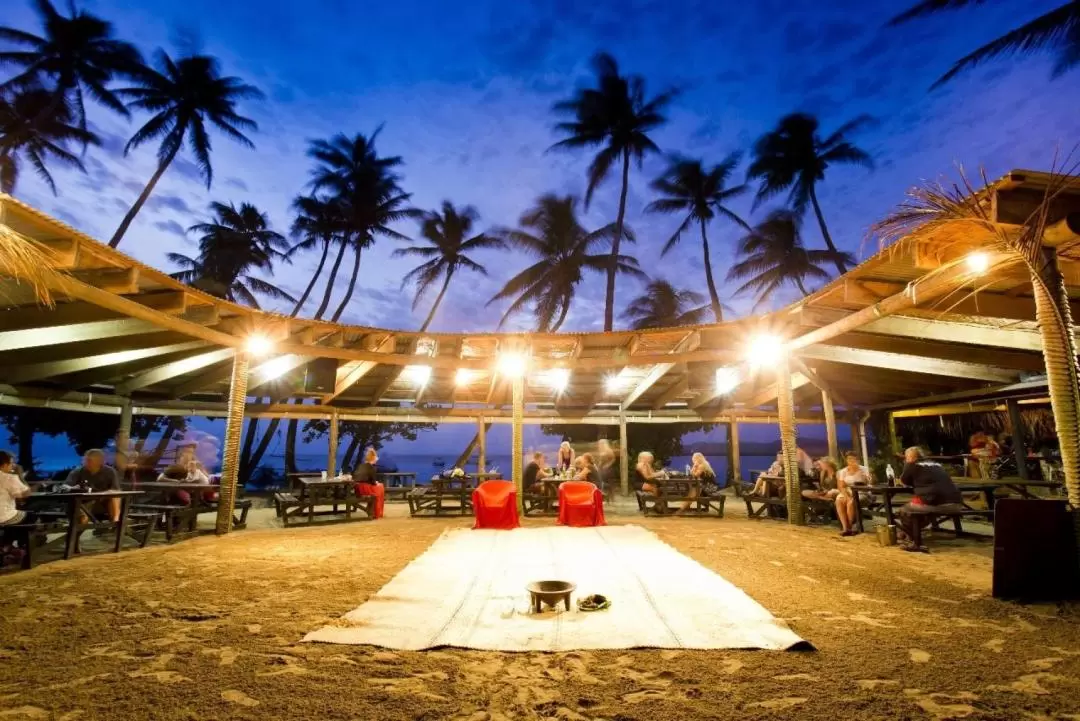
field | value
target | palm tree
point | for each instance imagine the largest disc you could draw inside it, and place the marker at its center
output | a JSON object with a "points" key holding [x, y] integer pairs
{"points": [[701, 194], [317, 223], [78, 54], [446, 241], [236, 242], [794, 157], [364, 190], [662, 305], [565, 251], [183, 95], [1058, 29], [26, 138], [616, 117], [774, 255]]}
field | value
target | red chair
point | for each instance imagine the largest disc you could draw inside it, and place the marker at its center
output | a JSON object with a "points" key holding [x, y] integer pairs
{"points": [[581, 504], [495, 505]]}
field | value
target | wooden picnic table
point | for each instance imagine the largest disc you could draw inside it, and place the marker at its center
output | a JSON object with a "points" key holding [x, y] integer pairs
{"points": [[391, 476], [434, 497], [890, 492], [314, 491], [78, 505], [546, 501]]}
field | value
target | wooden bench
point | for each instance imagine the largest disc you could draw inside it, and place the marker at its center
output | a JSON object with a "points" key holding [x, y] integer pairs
{"points": [[937, 514], [283, 501], [817, 510], [667, 504], [178, 521], [241, 505], [440, 501]]}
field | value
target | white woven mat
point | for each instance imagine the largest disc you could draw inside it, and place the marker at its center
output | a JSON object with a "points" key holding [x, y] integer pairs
{"points": [[468, 590]]}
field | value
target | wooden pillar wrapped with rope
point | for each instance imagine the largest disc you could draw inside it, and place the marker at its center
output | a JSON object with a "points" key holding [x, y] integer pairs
{"points": [[234, 422], [123, 438], [332, 446], [789, 441], [517, 442], [830, 425]]}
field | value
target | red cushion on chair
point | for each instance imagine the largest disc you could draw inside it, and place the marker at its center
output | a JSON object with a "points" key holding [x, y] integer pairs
{"points": [[580, 504], [495, 505]]}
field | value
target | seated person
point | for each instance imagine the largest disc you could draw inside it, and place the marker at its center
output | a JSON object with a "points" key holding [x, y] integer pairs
{"points": [[93, 475], [644, 475], [703, 477], [367, 483], [852, 474], [806, 465], [11, 489], [175, 474], [825, 488], [761, 485], [534, 473], [934, 489], [588, 471]]}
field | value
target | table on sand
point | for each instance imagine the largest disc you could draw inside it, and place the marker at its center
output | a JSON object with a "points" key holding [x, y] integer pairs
{"points": [[79, 505]]}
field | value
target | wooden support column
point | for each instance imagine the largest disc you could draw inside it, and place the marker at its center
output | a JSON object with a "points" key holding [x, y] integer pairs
{"points": [[516, 441], [1019, 448], [624, 457], [123, 438], [481, 444], [234, 422], [734, 462], [894, 441], [785, 401], [830, 426], [855, 436], [331, 460]]}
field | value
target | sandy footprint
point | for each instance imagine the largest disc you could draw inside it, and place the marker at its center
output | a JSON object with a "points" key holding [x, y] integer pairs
{"points": [[778, 704], [869, 684], [28, 712], [995, 645], [918, 656], [240, 698], [808, 579], [943, 711], [1030, 684], [646, 695], [1044, 664], [778, 564], [731, 666], [796, 677]]}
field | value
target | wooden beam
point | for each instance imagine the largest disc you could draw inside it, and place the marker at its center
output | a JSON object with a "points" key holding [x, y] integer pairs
{"points": [[946, 329], [113, 280], [675, 390], [46, 335], [39, 371], [798, 380], [690, 342], [818, 382], [348, 374], [173, 369], [909, 363]]}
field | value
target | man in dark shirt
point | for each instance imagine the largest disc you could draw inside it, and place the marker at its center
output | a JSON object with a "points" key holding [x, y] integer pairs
{"points": [[95, 476], [534, 473], [933, 486]]}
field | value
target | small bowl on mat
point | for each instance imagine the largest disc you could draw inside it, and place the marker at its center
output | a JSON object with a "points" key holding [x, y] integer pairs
{"points": [[550, 593]]}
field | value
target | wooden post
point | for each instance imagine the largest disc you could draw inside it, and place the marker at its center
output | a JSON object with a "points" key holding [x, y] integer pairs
{"points": [[855, 436], [234, 422], [516, 441], [624, 457], [863, 448], [830, 425], [331, 460], [735, 463], [123, 438], [894, 442], [1019, 448], [481, 442], [789, 442]]}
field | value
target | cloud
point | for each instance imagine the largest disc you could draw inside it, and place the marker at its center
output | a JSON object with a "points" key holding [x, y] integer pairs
{"points": [[236, 183], [171, 227], [164, 201]]}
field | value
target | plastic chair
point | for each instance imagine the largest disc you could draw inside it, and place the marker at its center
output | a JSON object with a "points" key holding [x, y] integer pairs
{"points": [[495, 505], [581, 504]]}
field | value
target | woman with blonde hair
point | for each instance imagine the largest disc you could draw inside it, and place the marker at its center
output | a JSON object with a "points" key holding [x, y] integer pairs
{"points": [[588, 471], [367, 484], [703, 479], [565, 458]]}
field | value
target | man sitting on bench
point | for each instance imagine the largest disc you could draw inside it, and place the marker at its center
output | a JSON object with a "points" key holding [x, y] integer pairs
{"points": [[934, 491], [94, 475]]}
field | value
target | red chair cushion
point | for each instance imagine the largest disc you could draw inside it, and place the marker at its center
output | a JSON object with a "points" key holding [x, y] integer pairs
{"points": [[495, 505], [581, 504]]}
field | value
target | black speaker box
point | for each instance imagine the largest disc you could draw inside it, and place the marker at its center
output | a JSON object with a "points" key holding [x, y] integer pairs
{"points": [[1035, 551], [320, 376]]}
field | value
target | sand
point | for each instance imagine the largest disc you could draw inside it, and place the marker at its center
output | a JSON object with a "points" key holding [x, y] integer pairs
{"points": [[210, 629]]}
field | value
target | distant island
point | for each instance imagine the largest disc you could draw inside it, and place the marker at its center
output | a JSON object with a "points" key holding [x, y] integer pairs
{"points": [[812, 445]]}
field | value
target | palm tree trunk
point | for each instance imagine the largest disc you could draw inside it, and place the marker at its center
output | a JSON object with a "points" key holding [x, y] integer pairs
{"points": [[24, 436], [802, 288], [245, 452], [175, 424], [314, 278], [126, 222], [347, 461], [352, 286], [1062, 377], [562, 317], [330, 281], [841, 267], [714, 298], [264, 443], [609, 301], [435, 306]]}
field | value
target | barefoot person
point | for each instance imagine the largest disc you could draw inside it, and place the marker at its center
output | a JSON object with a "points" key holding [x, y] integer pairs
{"points": [[366, 482], [703, 477], [851, 475], [93, 475]]}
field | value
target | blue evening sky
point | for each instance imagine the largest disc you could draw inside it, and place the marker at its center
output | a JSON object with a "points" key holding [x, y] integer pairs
{"points": [[464, 91]]}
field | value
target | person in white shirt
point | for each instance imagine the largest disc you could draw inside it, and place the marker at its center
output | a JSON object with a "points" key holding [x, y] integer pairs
{"points": [[852, 474], [11, 489]]}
